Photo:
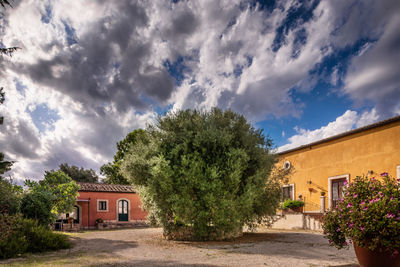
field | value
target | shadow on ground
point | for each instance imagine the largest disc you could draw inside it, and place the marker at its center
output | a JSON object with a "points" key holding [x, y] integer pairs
{"points": [[101, 244], [284, 244], [81, 247], [153, 263]]}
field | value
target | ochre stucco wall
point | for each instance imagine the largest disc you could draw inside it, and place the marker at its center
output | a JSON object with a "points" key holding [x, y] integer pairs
{"points": [[375, 149], [135, 212]]}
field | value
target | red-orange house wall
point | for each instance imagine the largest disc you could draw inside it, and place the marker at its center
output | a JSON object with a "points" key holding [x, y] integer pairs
{"points": [[89, 213]]}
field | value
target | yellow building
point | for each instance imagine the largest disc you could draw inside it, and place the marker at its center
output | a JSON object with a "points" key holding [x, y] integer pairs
{"points": [[324, 165]]}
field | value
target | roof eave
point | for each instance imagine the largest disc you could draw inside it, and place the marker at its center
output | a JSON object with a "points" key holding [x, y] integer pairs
{"points": [[358, 130]]}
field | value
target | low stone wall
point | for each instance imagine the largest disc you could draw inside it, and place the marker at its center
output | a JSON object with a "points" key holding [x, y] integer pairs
{"points": [[297, 221], [68, 227], [114, 224]]}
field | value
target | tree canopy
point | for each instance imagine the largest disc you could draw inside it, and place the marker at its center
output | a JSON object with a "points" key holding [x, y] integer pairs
{"points": [[210, 171], [10, 196], [112, 171], [5, 165], [48, 198], [79, 174]]}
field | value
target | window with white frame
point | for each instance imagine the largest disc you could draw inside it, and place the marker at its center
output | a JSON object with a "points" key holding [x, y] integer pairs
{"points": [[102, 205], [335, 188], [288, 192]]}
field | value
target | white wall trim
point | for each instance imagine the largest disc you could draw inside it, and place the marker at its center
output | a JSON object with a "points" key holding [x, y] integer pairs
{"points": [[330, 179], [129, 208], [293, 190], [398, 171], [98, 200]]}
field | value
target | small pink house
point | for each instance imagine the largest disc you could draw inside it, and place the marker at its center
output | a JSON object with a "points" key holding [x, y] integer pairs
{"points": [[116, 205]]}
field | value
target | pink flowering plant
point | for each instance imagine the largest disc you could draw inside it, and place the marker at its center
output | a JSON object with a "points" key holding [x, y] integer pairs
{"points": [[368, 214]]}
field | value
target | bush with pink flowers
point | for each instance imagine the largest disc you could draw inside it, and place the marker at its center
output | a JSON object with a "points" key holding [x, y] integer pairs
{"points": [[368, 214]]}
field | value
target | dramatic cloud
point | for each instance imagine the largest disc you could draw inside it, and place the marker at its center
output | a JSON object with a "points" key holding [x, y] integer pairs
{"points": [[90, 72], [374, 74]]}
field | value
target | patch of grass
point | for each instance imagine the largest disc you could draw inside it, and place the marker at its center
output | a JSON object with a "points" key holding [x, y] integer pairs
{"points": [[76, 258]]}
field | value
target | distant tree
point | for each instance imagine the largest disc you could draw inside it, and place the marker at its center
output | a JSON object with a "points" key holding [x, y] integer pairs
{"points": [[10, 196], [5, 165], [5, 51], [37, 205], [2, 95], [56, 188], [209, 172], [79, 174], [112, 171]]}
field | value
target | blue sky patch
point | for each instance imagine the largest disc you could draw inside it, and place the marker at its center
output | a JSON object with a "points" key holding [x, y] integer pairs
{"points": [[43, 117], [71, 35], [47, 17], [296, 15], [177, 69]]}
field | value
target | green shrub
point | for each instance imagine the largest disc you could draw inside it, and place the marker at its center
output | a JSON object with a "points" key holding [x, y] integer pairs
{"points": [[40, 238], [12, 238], [9, 197], [368, 215], [210, 171], [37, 205], [19, 235], [292, 204]]}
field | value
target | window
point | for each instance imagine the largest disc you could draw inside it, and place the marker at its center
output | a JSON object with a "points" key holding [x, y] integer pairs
{"points": [[102, 205], [288, 192], [123, 208], [335, 188]]}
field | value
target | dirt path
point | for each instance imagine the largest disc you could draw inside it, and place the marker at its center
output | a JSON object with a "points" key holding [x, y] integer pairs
{"points": [[146, 247]]}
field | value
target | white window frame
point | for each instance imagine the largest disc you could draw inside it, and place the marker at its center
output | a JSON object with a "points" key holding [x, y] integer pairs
{"points": [[104, 200], [330, 179], [293, 188]]}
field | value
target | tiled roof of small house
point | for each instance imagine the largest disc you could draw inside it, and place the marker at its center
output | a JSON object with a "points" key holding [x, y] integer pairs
{"points": [[96, 187]]}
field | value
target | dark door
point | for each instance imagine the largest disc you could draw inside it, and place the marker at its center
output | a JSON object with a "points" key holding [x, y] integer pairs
{"points": [[337, 190], [76, 214], [123, 210]]}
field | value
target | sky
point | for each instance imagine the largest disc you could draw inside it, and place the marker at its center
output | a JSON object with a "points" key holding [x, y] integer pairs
{"points": [[89, 72]]}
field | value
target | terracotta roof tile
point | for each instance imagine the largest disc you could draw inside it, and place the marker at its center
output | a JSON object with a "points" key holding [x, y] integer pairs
{"points": [[96, 187]]}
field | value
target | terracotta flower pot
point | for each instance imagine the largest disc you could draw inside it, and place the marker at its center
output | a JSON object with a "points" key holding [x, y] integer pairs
{"points": [[369, 258], [297, 210]]}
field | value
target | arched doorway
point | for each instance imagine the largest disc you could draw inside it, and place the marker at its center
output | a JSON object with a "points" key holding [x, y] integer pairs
{"points": [[123, 208]]}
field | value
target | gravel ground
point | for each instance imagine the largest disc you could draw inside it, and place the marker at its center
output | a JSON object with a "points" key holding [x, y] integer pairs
{"points": [[146, 247]]}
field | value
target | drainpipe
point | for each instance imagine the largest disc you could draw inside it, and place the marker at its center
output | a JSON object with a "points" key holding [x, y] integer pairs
{"points": [[88, 214]]}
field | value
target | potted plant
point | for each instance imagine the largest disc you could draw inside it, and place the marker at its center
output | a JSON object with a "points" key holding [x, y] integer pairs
{"points": [[70, 220], [99, 223], [369, 217], [293, 205]]}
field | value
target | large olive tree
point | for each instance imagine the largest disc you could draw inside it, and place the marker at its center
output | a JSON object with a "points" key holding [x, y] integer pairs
{"points": [[207, 171]]}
